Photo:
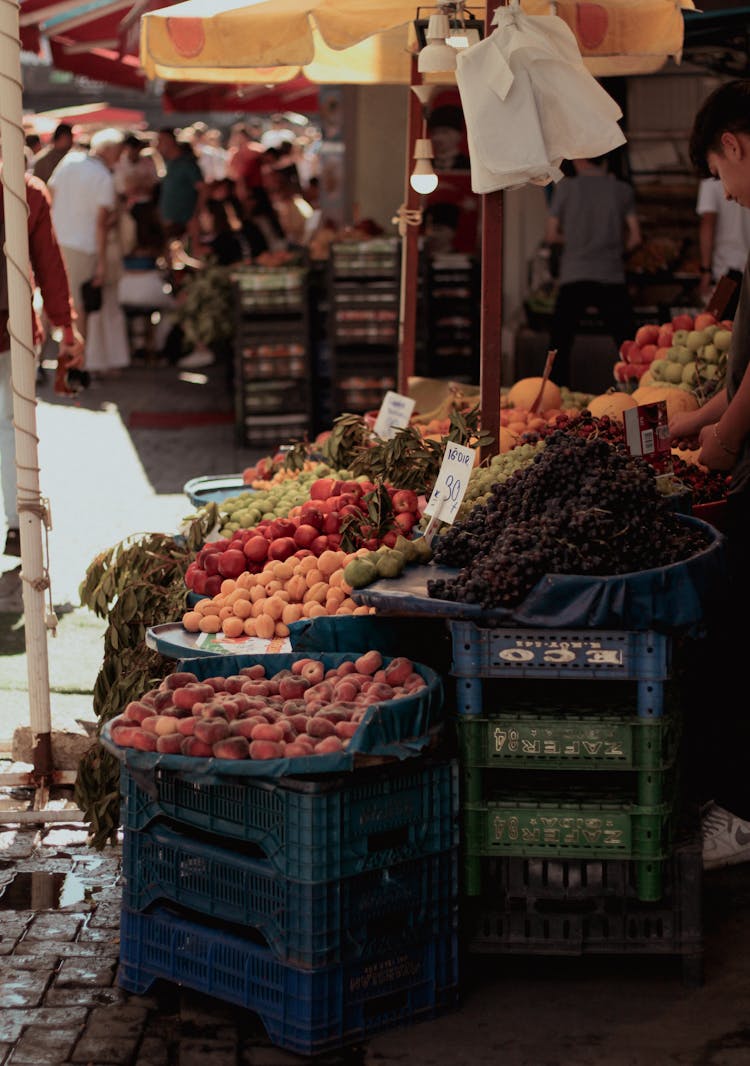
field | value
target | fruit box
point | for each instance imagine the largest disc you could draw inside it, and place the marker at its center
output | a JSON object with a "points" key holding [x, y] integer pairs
{"points": [[304, 1011], [393, 729]]}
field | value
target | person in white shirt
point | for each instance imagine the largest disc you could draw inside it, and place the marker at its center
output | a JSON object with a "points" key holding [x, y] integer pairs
{"points": [[278, 134], [135, 173], [723, 238], [212, 158], [84, 205]]}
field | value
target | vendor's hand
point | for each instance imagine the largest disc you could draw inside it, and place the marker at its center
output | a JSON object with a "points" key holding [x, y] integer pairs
{"points": [[712, 454], [682, 426], [73, 349]]}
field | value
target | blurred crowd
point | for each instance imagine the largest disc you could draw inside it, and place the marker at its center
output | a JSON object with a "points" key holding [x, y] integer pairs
{"points": [[148, 224]]}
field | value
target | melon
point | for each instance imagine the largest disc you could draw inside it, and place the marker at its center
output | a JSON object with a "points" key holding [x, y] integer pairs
{"points": [[678, 400], [507, 439], [611, 404], [525, 391]]}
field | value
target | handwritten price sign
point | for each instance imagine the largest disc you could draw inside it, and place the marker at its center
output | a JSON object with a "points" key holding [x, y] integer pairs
{"points": [[395, 412], [450, 487]]}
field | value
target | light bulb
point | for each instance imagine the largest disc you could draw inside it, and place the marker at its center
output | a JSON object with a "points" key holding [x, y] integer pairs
{"points": [[423, 178]]}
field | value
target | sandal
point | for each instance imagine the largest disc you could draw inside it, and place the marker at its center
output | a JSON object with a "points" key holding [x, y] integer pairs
{"points": [[12, 543]]}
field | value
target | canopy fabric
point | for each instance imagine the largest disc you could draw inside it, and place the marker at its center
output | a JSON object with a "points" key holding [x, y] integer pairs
{"points": [[298, 95], [198, 39], [100, 64], [95, 115]]}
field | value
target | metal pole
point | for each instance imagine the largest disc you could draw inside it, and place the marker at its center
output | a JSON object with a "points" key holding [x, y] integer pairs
{"points": [[23, 377], [491, 308]]}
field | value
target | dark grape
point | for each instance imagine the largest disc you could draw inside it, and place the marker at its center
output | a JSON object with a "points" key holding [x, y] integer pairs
{"points": [[584, 505]]}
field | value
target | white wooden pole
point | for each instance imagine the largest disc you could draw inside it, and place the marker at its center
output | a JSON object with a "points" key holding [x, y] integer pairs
{"points": [[23, 366]]}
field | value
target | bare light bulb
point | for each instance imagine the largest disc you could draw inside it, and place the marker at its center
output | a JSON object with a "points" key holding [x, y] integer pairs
{"points": [[423, 178]]}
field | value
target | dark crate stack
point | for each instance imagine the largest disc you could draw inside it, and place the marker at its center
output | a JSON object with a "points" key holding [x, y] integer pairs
{"points": [[363, 311], [575, 835], [328, 906], [272, 355], [450, 310]]}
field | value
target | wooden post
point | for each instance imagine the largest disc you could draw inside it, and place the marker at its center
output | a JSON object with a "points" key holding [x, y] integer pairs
{"points": [[407, 319], [491, 308]]}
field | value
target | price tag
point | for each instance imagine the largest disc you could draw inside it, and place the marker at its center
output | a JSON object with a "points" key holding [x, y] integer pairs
{"points": [[395, 412], [458, 463]]}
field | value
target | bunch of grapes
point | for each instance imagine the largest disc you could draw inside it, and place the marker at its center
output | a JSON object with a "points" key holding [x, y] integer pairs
{"points": [[582, 424], [706, 486], [583, 506]]}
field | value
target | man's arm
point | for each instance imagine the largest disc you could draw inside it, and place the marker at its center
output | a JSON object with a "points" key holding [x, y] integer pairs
{"points": [[633, 237], [721, 441]]}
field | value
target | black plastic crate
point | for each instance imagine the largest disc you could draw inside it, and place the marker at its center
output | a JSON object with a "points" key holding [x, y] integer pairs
{"points": [[587, 907]]}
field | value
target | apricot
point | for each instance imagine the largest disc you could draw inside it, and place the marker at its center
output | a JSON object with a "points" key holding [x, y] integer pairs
{"points": [[265, 626], [274, 607], [228, 585], [210, 623], [233, 626], [249, 627], [282, 629], [242, 609], [191, 621]]}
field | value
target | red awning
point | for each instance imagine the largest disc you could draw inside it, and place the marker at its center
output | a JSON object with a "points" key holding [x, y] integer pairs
{"points": [[296, 95]]}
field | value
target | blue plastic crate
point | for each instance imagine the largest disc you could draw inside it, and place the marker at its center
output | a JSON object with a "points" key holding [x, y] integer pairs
{"points": [[304, 1011], [214, 488], [311, 829], [588, 653], [306, 924]]}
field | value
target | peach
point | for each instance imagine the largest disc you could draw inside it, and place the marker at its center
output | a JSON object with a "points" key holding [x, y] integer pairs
{"points": [[329, 745], [243, 727], [218, 684], [320, 727], [293, 687], [136, 711], [297, 750], [255, 672], [397, 670], [234, 683], [369, 662], [345, 690], [170, 744], [268, 731], [191, 693], [312, 672], [211, 730], [299, 722], [196, 747], [256, 688], [266, 749], [298, 665], [123, 735], [235, 747], [179, 679], [143, 741], [163, 698], [322, 691], [346, 729], [186, 726], [166, 725], [149, 723]]}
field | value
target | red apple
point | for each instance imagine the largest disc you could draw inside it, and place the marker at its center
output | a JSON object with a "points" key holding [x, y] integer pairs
{"points": [[232, 562], [211, 563], [319, 545], [322, 488], [255, 549], [664, 340], [213, 585], [404, 500], [282, 527], [627, 350], [200, 577], [281, 548], [311, 514], [405, 521], [304, 535], [647, 335], [682, 322]]}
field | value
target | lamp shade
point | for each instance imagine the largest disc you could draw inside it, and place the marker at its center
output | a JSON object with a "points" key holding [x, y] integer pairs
{"points": [[437, 56]]}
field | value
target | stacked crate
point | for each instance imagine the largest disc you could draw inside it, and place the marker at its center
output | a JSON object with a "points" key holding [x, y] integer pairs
{"points": [[573, 828], [326, 905]]}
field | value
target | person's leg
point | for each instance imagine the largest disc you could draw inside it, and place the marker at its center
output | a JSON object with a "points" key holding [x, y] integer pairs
{"points": [[571, 302], [7, 447], [616, 310], [79, 267]]}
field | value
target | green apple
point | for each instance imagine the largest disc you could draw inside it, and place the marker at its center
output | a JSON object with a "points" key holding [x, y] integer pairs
{"points": [[679, 336], [709, 353], [672, 372], [689, 376], [722, 339], [659, 369], [696, 338]]}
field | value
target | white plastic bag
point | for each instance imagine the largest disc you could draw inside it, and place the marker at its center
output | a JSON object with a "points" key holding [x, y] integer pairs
{"points": [[529, 102]]}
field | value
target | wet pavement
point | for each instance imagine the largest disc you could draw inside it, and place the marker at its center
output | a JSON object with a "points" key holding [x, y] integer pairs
{"points": [[60, 1002]]}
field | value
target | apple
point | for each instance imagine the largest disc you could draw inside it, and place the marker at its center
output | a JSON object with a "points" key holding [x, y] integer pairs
{"points": [[211, 563], [647, 335], [282, 527], [312, 515], [322, 489], [682, 322], [255, 549], [232, 562], [664, 340], [282, 548], [304, 535], [704, 319], [213, 585], [404, 500], [648, 354], [405, 521]]}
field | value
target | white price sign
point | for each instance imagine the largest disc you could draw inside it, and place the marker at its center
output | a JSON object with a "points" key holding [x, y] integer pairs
{"points": [[458, 463], [395, 412]]}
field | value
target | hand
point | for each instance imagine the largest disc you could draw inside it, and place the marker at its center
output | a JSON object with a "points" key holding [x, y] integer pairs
{"points": [[712, 454], [73, 350], [682, 426]]}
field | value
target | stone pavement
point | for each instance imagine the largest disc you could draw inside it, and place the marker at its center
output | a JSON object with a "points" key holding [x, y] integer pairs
{"points": [[60, 1004]]}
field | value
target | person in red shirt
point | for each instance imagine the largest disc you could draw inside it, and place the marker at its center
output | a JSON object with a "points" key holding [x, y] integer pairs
{"points": [[49, 275], [244, 161]]}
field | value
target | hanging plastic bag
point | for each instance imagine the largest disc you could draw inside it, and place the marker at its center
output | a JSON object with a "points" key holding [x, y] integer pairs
{"points": [[529, 102]]}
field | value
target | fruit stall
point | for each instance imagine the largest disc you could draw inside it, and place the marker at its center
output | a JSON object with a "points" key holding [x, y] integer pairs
{"points": [[384, 705]]}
